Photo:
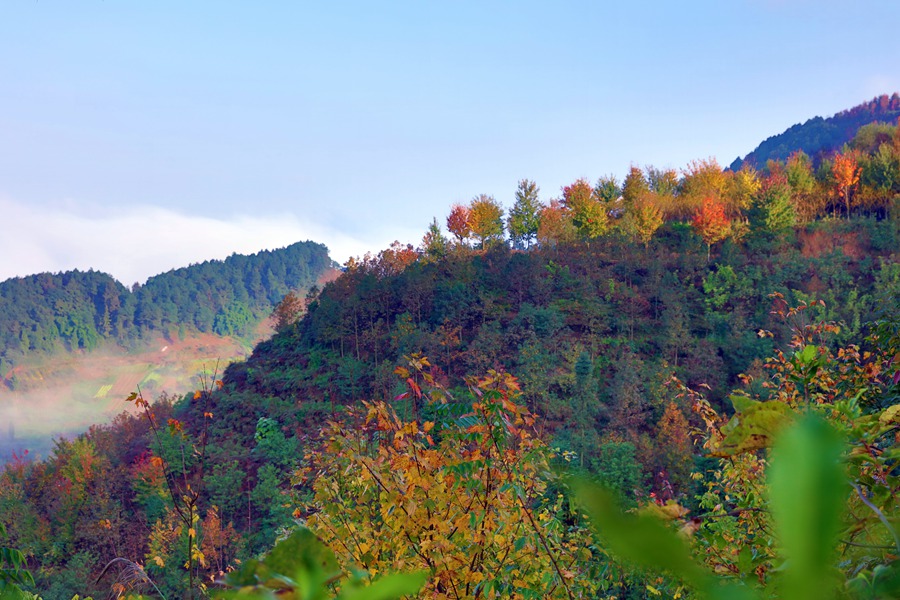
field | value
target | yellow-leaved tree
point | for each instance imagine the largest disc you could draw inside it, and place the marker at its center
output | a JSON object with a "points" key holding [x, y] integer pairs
{"points": [[465, 499]]}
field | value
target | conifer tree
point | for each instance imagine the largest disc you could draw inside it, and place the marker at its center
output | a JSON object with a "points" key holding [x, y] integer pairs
{"points": [[523, 217]]}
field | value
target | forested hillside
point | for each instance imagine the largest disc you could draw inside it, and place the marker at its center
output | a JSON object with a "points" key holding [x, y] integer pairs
{"points": [[46, 313], [655, 336], [819, 136]]}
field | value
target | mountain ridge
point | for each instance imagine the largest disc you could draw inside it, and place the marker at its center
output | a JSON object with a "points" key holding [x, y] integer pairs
{"points": [[819, 135], [77, 310]]}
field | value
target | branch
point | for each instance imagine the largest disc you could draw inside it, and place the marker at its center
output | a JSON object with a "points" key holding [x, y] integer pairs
{"points": [[880, 514]]}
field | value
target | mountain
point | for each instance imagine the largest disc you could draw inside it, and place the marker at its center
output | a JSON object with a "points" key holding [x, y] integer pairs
{"points": [[568, 345], [819, 136], [74, 311]]}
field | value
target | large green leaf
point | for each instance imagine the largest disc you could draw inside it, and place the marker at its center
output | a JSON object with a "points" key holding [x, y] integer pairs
{"points": [[639, 538], [808, 492], [388, 588]]}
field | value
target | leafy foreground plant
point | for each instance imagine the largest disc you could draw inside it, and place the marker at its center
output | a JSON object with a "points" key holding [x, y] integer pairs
{"points": [[808, 492], [827, 502], [13, 573], [301, 567]]}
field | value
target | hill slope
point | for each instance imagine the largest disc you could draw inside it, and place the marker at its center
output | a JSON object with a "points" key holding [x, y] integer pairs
{"points": [[819, 136], [73, 311]]}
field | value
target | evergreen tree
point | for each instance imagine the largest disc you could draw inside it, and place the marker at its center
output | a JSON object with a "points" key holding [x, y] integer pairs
{"points": [[523, 220]]}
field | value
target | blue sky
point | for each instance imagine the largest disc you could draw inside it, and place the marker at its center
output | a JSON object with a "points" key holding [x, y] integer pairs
{"points": [[140, 136]]}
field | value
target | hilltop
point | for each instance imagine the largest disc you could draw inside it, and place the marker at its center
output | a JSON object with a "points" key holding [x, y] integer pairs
{"points": [[820, 136]]}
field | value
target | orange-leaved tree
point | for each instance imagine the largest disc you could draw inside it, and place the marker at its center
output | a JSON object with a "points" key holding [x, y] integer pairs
{"points": [[464, 498], [845, 169], [459, 223], [711, 222]]}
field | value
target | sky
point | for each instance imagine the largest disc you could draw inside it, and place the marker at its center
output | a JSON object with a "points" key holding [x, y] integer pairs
{"points": [[137, 137]]}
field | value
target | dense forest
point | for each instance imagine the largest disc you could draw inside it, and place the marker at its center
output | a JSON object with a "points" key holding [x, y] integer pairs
{"points": [[717, 349], [819, 136], [46, 313]]}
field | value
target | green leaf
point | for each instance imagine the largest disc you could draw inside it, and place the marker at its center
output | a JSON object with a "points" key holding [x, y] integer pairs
{"points": [[807, 355], [302, 552], [388, 588], [641, 539], [808, 491]]}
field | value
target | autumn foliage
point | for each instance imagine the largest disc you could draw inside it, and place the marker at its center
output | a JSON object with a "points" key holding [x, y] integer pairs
{"points": [[711, 222], [465, 499]]}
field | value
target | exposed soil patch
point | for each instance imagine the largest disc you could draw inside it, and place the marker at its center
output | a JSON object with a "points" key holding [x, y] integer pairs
{"points": [[818, 242]]}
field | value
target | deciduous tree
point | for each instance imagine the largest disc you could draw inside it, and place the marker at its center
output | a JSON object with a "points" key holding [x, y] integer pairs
{"points": [[555, 226], [711, 223], [459, 223], [463, 499], [643, 218], [846, 174], [588, 214], [486, 220]]}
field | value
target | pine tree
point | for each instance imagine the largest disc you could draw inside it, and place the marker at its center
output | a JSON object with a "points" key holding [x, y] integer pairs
{"points": [[523, 217]]}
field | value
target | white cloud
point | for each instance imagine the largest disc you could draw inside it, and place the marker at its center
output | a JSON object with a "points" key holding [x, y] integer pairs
{"points": [[134, 243]]}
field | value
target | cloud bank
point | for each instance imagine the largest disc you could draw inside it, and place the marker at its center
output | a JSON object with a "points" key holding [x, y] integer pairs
{"points": [[134, 243]]}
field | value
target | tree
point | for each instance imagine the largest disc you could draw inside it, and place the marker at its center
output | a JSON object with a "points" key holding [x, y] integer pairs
{"points": [[523, 221], [486, 220], [798, 170], [585, 407], [464, 499], [288, 311], [773, 211], [555, 226], [711, 223], [607, 189], [434, 244], [643, 218], [846, 174], [705, 179], [635, 185], [588, 214], [459, 223], [662, 181], [743, 186]]}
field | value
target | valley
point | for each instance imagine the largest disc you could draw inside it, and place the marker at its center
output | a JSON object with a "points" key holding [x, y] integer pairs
{"points": [[64, 395]]}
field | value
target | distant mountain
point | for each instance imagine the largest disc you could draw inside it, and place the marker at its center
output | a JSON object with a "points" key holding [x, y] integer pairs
{"points": [[820, 136], [49, 312]]}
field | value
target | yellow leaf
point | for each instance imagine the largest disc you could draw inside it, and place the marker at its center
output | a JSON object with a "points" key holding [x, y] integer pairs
{"points": [[890, 414], [159, 561], [653, 590]]}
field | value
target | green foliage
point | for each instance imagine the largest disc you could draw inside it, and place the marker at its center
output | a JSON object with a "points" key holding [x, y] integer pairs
{"points": [[13, 573], [523, 221], [808, 493], [272, 443], [303, 568], [618, 470], [43, 313]]}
